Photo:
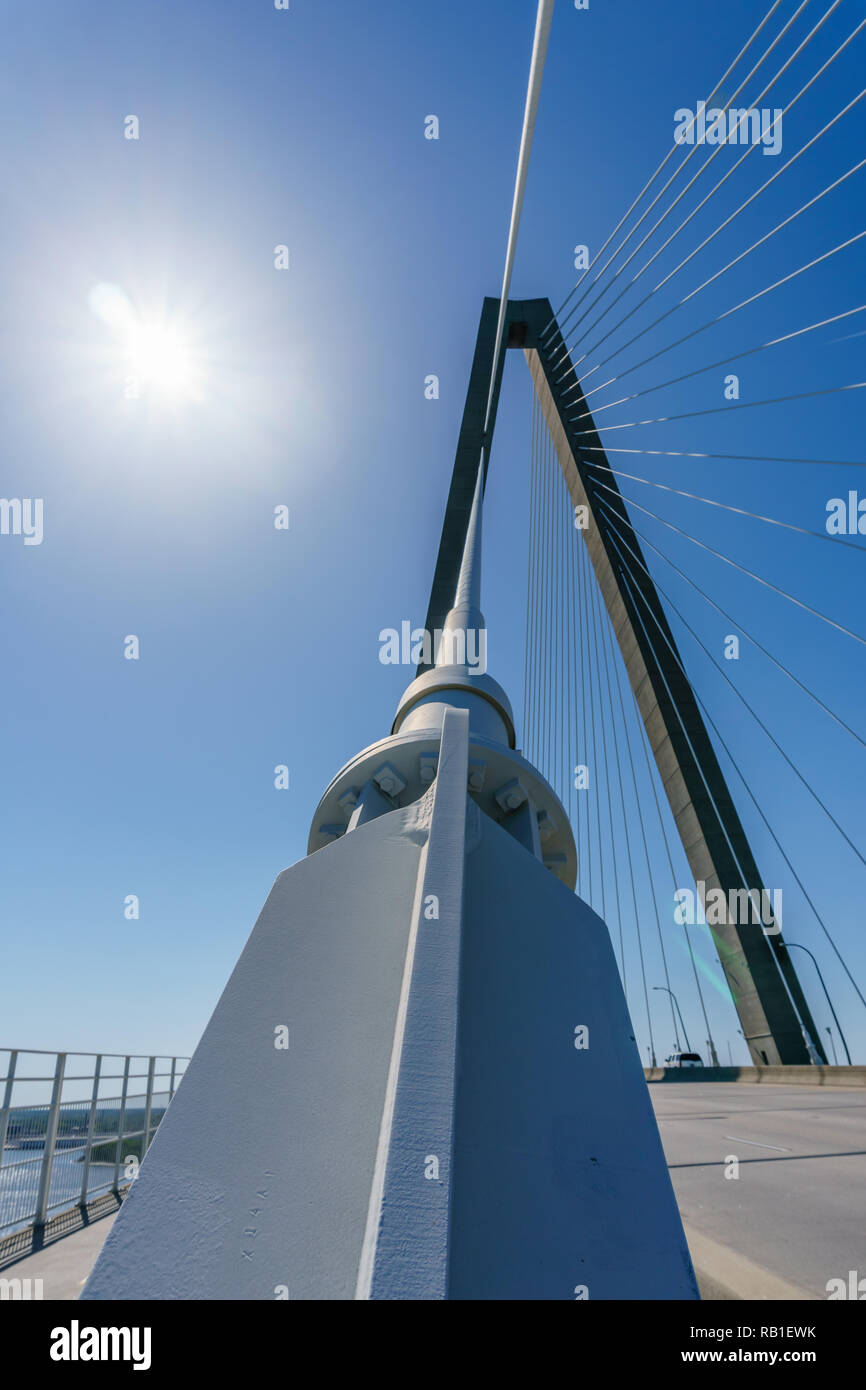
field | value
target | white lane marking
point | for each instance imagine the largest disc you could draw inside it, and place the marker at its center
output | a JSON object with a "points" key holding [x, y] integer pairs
{"points": [[740, 1140]]}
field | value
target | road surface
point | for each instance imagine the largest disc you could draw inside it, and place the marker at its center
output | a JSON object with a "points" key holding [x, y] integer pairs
{"points": [[793, 1219], [797, 1210]]}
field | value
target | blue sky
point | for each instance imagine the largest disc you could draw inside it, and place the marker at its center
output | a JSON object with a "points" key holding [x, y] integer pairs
{"points": [[260, 647]]}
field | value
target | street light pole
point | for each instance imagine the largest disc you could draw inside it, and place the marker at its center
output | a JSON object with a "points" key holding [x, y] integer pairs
{"points": [[797, 945], [679, 1011]]}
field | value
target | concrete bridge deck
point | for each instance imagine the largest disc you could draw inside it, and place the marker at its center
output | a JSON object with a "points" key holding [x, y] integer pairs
{"points": [[63, 1266], [794, 1218]]}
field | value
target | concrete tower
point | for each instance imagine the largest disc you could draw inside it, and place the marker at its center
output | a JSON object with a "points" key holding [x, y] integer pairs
{"points": [[421, 1080]]}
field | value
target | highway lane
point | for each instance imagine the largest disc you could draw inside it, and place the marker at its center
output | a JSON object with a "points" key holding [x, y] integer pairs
{"points": [[798, 1207]]}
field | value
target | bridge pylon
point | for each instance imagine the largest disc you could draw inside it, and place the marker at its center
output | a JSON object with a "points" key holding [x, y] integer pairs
{"points": [[775, 1017]]}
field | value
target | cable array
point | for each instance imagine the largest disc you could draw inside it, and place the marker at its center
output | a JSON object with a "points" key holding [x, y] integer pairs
{"points": [[724, 560]]}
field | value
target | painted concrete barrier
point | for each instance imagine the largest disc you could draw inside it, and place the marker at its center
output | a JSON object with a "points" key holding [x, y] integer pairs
{"points": [[791, 1076]]}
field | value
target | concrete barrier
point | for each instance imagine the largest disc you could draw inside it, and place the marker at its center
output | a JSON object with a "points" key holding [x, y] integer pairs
{"points": [[791, 1076]]}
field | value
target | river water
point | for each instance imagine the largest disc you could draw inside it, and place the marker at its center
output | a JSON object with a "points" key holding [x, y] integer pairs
{"points": [[19, 1184]]}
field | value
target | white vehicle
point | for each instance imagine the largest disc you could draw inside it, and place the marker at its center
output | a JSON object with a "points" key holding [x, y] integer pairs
{"points": [[684, 1059]]}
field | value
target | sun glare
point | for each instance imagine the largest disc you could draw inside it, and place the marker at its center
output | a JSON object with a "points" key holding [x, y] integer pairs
{"points": [[152, 351], [159, 357]]}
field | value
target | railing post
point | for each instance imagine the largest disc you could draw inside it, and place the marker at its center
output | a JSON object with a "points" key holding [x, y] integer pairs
{"points": [[116, 1185], [91, 1121], [7, 1100], [171, 1082], [148, 1106], [50, 1141]]}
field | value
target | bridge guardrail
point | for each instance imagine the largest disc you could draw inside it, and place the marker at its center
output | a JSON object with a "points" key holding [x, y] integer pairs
{"points": [[787, 1076], [75, 1127]]}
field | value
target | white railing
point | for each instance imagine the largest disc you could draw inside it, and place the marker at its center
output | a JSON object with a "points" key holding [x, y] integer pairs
{"points": [[75, 1128]]}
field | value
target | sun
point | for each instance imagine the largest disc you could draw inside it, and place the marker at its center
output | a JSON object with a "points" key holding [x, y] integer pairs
{"points": [[159, 358], [153, 351]]}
